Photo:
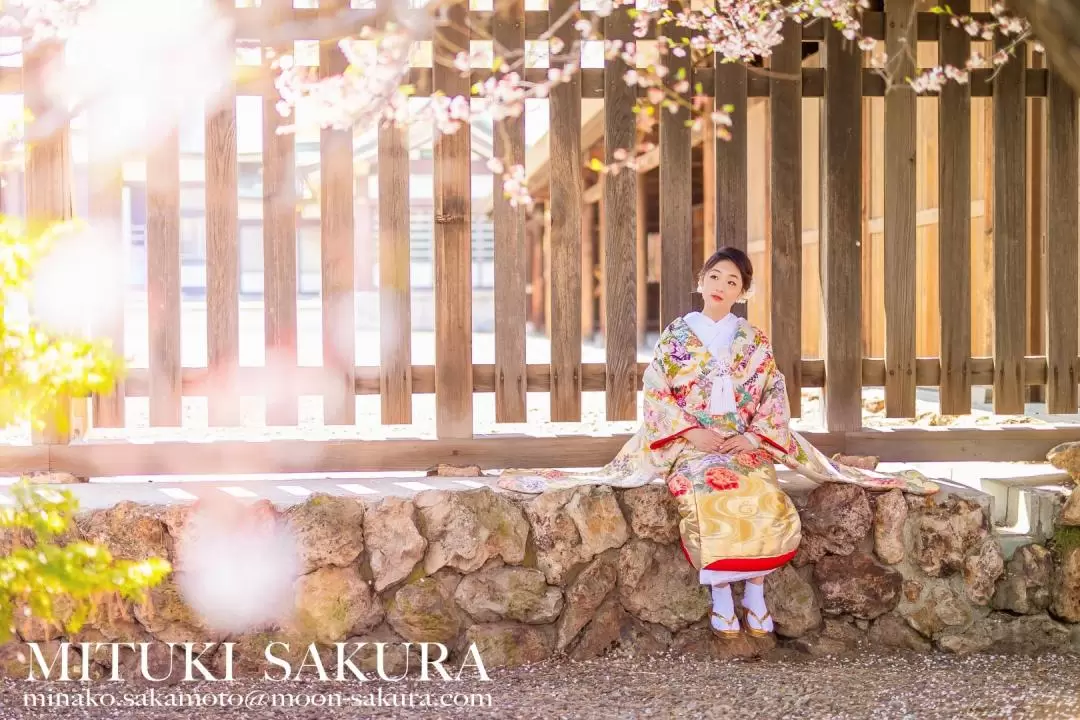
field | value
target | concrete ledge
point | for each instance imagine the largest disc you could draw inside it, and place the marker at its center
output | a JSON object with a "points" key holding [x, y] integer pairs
{"points": [[579, 572]]}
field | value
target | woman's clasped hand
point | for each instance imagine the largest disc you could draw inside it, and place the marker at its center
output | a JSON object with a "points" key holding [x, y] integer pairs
{"points": [[711, 441]]}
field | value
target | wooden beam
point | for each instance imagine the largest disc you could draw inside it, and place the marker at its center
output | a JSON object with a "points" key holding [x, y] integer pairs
{"points": [[196, 382], [1011, 444]]}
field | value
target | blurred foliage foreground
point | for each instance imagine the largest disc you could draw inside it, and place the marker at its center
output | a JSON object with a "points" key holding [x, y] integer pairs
{"points": [[43, 566]]}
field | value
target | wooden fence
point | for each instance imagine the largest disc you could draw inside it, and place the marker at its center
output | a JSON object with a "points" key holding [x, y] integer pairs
{"points": [[842, 82]]}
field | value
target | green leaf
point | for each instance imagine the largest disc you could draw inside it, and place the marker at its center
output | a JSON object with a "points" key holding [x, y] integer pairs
{"points": [[59, 580]]}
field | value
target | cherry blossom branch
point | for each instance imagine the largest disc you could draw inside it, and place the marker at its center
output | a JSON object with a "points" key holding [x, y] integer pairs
{"points": [[378, 46]]}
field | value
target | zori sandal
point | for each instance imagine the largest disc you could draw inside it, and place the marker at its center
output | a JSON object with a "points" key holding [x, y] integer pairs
{"points": [[729, 626]]}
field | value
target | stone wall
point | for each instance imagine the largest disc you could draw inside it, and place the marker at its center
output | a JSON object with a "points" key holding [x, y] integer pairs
{"points": [[592, 570]]}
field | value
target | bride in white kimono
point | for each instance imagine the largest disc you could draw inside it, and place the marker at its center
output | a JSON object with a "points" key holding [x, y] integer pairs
{"points": [[716, 421]]}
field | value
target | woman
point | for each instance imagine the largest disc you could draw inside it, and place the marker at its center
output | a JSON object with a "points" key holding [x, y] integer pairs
{"points": [[716, 421]]}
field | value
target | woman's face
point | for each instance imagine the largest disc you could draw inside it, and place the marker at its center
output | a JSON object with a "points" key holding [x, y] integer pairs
{"points": [[721, 286]]}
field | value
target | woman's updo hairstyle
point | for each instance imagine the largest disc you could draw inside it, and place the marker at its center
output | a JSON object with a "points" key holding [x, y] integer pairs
{"points": [[737, 258]]}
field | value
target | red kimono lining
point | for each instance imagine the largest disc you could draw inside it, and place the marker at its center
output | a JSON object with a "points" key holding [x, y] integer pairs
{"points": [[743, 564]]}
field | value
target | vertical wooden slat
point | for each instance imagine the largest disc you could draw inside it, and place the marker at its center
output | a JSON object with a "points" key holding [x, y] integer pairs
{"points": [[709, 169], [453, 242], [870, 161], [841, 258], [730, 159], [1036, 173], [731, 162], [535, 232], [163, 279], [588, 276], [954, 222], [900, 216], [395, 315], [621, 272], [1061, 245], [566, 191], [676, 186], [106, 208], [223, 261], [785, 203], [508, 30], [601, 260], [1010, 233], [547, 270], [641, 295], [47, 186], [337, 254], [279, 247]]}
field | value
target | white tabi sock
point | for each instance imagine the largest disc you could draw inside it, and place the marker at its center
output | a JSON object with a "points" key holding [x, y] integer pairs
{"points": [[754, 599], [723, 605]]}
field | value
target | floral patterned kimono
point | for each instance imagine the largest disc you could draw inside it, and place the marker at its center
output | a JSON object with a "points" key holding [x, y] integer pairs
{"points": [[735, 521]]}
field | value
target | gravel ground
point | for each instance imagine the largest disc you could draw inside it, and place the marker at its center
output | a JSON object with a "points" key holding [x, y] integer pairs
{"points": [[863, 686]]}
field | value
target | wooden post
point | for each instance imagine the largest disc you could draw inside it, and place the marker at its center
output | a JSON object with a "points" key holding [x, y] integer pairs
{"points": [[106, 211], [785, 210], [279, 247], [641, 204], [676, 191], [623, 224], [1036, 301], [453, 243], [163, 280], [338, 260], [841, 198], [509, 32], [900, 217], [222, 260], [1061, 245], [566, 194], [1010, 233], [588, 284], [48, 198], [954, 224]]}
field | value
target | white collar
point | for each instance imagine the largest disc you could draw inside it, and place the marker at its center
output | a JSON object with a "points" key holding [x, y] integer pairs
{"points": [[716, 335]]}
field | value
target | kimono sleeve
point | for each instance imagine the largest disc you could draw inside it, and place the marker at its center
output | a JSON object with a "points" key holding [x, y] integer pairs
{"points": [[664, 419], [771, 421]]}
